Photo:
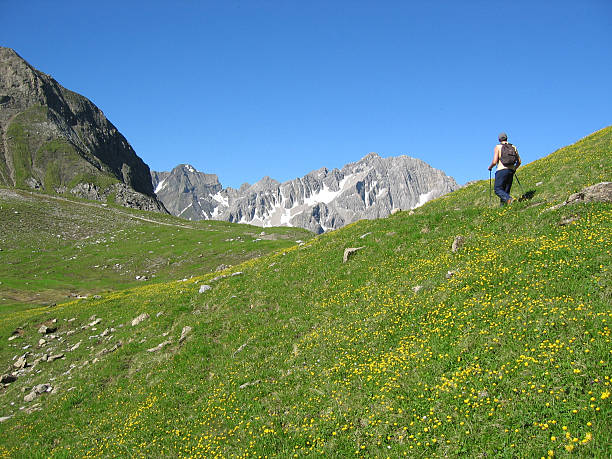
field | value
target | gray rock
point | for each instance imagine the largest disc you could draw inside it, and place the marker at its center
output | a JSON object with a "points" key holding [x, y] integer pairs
{"points": [[141, 318], [417, 288], [450, 274], [350, 251], [21, 362], [184, 333], [250, 383], [6, 418], [601, 192], [45, 329], [37, 391], [51, 358], [457, 243], [204, 288], [159, 346]]}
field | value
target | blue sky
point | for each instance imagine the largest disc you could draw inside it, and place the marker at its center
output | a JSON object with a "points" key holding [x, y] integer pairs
{"points": [[245, 89]]}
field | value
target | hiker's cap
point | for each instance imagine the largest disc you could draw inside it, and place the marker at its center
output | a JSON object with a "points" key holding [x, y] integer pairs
{"points": [[503, 137]]}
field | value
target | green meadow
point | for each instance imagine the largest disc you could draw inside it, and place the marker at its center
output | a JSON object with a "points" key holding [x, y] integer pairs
{"points": [[53, 248], [501, 348]]}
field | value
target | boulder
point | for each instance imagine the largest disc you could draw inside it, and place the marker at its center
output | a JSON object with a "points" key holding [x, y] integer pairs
{"points": [[349, 252], [601, 192]]}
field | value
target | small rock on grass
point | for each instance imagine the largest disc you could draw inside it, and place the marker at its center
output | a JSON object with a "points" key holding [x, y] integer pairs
{"points": [[21, 362], [204, 288], [350, 251], [159, 346], [186, 330], [251, 383], [141, 318], [457, 243], [45, 329], [36, 391]]}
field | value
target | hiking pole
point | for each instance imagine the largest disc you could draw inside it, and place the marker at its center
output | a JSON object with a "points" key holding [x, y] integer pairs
{"points": [[489, 186], [519, 182]]}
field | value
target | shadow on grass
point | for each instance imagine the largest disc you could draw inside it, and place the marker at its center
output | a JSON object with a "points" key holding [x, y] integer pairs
{"points": [[527, 196]]}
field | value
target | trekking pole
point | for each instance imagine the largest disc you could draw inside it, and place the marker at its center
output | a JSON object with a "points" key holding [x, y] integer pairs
{"points": [[489, 186], [519, 182]]}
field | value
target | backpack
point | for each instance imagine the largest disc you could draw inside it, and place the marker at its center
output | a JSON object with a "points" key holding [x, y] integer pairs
{"points": [[509, 155]]}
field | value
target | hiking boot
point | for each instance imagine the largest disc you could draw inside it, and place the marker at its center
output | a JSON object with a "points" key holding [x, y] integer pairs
{"points": [[510, 201]]}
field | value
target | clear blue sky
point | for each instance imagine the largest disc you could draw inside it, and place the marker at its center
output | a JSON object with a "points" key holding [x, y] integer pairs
{"points": [[251, 88]]}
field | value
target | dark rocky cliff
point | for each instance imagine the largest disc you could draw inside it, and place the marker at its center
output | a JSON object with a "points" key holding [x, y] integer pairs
{"points": [[58, 141]]}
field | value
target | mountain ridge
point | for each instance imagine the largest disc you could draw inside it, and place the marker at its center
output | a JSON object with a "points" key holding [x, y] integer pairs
{"points": [[321, 200]]}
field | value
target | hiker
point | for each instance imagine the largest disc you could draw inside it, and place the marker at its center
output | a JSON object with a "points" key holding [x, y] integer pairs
{"points": [[507, 160]]}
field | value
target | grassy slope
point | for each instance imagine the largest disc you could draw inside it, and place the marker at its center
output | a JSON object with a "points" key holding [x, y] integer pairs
{"points": [[302, 354], [53, 248]]}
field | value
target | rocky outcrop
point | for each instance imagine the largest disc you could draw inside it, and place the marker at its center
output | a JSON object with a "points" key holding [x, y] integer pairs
{"points": [[600, 192], [320, 201], [58, 141]]}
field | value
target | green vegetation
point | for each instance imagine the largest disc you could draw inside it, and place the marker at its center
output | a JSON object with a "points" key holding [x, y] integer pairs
{"points": [[21, 141], [501, 349], [53, 248], [54, 162]]}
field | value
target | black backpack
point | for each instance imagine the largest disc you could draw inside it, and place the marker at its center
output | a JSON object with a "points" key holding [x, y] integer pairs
{"points": [[509, 155]]}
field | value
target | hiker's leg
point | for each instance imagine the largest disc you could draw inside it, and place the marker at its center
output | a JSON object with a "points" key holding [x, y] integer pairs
{"points": [[501, 177], [508, 183]]}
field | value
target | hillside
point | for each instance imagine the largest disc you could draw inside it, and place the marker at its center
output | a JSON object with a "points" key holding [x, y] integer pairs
{"points": [[53, 248], [58, 142], [499, 349]]}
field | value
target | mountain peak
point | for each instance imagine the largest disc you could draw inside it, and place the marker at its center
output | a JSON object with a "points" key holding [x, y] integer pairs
{"points": [[60, 142]]}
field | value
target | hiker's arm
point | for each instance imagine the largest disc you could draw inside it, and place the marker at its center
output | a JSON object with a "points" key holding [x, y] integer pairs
{"points": [[518, 156], [495, 158]]}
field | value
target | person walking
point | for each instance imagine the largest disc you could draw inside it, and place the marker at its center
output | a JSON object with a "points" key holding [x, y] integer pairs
{"points": [[507, 160]]}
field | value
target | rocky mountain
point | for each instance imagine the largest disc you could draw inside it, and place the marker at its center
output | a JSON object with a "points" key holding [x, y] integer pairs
{"points": [[57, 141], [320, 201]]}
